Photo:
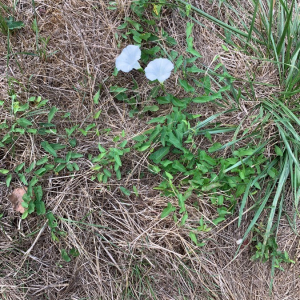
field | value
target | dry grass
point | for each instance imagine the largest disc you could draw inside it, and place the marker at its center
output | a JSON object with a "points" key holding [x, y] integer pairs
{"points": [[126, 250]]}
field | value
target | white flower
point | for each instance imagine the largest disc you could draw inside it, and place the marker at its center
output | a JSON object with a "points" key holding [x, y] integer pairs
{"points": [[128, 59], [239, 241], [159, 69]]}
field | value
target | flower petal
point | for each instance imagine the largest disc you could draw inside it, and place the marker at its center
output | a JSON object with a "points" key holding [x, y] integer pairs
{"points": [[137, 66], [128, 59], [123, 65], [159, 69], [132, 52]]}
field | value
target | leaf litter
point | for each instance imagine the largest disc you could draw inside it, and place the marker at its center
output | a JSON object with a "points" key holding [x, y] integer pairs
{"points": [[16, 199]]}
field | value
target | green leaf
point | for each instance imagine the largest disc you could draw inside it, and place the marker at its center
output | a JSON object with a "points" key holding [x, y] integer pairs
{"points": [[156, 120], [12, 24], [34, 26], [30, 168], [194, 69], [118, 160], [194, 52], [164, 100], [125, 191], [191, 60], [66, 115], [193, 237], [19, 167], [205, 99], [65, 256], [101, 149], [40, 171], [178, 62], [25, 204], [107, 173], [184, 218], [169, 176], [96, 97], [38, 192], [49, 167], [170, 208], [189, 28], [4, 171], [42, 161], [83, 131], [173, 54], [157, 156], [175, 141], [48, 148], [171, 41], [32, 130], [71, 130], [151, 108], [123, 144], [117, 89], [154, 169], [135, 190], [24, 122], [144, 146], [40, 207], [188, 88], [214, 147], [278, 151], [59, 168], [75, 166], [207, 158], [23, 179], [97, 114], [8, 179], [68, 157], [75, 155], [16, 106], [33, 181], [89, 127], [178, 166], [52, 112], [218, 220], [73, 142], [74, 252], [42, 103], [180, 103], [123, 26], [24, 215], [151, 51], [58, 146], [211, 186], [52, 223]]}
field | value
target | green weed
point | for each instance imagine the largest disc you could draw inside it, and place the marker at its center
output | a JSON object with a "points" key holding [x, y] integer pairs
{"points": [[175, 131], [275, 26], [183, 167]]}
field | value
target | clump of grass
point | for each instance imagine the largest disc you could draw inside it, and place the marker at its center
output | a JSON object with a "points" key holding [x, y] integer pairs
{"points": [[274, 26]]}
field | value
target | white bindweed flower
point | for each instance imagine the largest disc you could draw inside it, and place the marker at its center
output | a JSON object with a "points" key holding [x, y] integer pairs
{"points": [[159, 69], [239, 241], [128, 59]]}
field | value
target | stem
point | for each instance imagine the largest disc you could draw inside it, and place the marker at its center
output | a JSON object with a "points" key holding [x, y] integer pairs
{"points": [[162, 86]]}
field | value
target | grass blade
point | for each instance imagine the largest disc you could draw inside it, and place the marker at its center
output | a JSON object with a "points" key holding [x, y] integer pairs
{"points": [[282, 179]]}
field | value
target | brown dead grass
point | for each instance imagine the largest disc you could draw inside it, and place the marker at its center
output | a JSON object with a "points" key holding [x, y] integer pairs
{"points": [[126, 250]]}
